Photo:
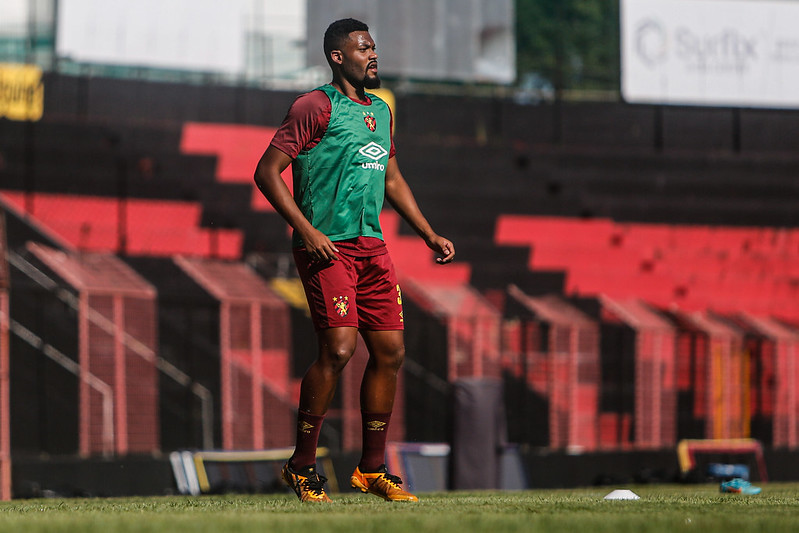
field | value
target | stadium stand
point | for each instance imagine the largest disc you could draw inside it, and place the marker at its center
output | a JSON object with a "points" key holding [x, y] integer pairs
{"points": [[621, 228], [132, 226], [5, 396], [695, 267]]}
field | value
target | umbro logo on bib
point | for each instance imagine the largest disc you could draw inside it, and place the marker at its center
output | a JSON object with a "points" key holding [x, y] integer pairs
{"points": [[373, 151]]}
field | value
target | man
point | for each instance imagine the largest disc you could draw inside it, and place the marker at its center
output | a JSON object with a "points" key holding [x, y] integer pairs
{"points": [[338, 140]]}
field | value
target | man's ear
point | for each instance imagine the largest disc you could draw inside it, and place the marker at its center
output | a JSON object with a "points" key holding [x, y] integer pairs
{"points": [[336, 57]]}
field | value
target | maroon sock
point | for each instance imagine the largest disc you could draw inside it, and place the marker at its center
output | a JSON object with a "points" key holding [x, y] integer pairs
{"points": [[308, 427], [375, 431]]}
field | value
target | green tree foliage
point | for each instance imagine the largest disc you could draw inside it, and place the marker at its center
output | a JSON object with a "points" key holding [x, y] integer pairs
{"points": [[573, 43]]}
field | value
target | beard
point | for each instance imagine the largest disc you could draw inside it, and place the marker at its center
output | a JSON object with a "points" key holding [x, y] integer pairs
{"points": [[371, 82]]}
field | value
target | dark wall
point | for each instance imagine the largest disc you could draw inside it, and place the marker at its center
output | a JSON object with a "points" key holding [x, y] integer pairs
{"points": [[460, 118], [131, 100]]}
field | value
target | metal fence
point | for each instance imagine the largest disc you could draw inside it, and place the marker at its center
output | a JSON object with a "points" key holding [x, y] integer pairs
{"points": [[561, 365], [118, 398], [257, 403]]}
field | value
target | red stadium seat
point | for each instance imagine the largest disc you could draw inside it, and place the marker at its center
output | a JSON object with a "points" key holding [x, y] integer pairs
{"points": [[152, 227], [726, 269], [238, 149], [413, 259]]}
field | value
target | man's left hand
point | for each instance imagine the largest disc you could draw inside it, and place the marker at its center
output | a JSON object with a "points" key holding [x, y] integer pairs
{"points": [[444, 247]]}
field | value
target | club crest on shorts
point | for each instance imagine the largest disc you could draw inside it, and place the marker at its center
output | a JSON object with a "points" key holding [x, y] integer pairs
{"points": [[371, 121], [342, 305]]}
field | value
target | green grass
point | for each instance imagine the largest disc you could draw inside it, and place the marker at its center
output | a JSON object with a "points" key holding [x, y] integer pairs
{"points": [[662, 508]]}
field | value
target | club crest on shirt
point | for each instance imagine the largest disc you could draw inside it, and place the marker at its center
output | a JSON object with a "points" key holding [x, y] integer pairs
{"points": [[342, 305], [370, 121]]}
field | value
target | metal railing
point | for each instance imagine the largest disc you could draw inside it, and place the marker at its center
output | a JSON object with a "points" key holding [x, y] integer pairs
{"points": [[178, 376]]}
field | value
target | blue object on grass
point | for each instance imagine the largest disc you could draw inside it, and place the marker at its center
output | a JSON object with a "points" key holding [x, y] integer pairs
{"points": [[739, 486], [728, 471]]}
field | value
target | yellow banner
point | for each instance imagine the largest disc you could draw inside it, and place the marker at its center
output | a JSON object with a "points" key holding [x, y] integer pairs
{"points": [[388, 97], [21, 92]]}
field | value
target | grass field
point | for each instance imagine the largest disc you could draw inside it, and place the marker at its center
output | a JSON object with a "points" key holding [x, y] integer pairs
{"points": [[662, 508]]}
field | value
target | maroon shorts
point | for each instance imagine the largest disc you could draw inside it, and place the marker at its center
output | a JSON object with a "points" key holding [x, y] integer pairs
{"points": [[360, 292]]}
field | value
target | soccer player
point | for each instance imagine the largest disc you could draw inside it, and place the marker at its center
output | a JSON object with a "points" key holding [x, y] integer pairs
{"points": [[338, 140]]}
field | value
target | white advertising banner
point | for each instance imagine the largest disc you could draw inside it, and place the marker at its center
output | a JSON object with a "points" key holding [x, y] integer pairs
{"points": [[205, 35], [733, 53]]}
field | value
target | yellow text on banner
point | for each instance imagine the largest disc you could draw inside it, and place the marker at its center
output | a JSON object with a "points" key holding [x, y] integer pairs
{"points": [[21, 92]]}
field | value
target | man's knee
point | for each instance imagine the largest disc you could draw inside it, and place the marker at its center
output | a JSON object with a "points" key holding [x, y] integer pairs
{"points": [[339, 356], [336, 351], [390, 357]]}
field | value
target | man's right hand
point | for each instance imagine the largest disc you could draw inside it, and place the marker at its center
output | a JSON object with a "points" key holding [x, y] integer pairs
{"points": [[319, 246]]}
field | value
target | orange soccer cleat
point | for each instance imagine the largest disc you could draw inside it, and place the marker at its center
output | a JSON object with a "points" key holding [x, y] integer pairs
{"points": [[382, 484], [307, 484]]}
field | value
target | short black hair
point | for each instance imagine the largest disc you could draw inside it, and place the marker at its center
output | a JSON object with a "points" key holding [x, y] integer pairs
{"points": [[338, 32]]}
